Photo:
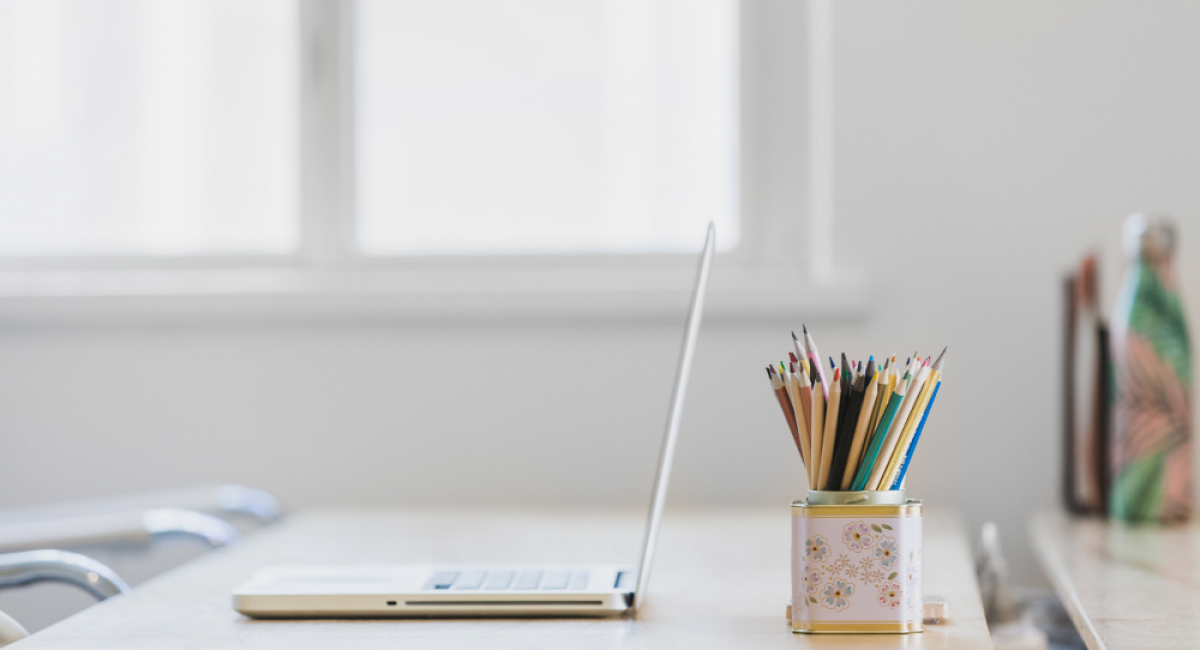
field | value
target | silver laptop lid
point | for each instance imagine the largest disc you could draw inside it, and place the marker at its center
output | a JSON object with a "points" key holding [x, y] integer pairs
{"points": [[675, 414]]}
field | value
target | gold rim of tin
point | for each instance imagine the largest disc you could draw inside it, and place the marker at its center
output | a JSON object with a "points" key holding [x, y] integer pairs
{"points": [[857, 627], [857, 497], [911, 509]]}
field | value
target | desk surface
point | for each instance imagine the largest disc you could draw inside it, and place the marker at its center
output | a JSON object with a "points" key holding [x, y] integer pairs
{"points": [[1124, 587], [720, 580]]}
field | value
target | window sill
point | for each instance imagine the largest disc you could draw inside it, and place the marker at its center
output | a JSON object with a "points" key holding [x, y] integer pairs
{"points": [[289, 295]]}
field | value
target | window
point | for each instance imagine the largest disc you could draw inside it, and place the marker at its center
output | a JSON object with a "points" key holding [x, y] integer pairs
{"points": [[535, 126], [147, 127], [420, 150], [525, 126]]}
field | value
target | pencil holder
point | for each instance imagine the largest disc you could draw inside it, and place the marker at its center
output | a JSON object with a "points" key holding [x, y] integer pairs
{"points": [[856, 563]]}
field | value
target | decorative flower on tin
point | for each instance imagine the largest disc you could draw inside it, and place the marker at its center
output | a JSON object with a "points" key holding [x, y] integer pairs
{"points": [[837, 595], [857, 536], [873, 576], [887, 552], [843, 565], [817, 548], [890, 595], [812, 580]]}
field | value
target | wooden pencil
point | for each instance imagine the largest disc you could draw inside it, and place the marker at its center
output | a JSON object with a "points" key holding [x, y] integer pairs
{"points": [[847, 376], [914, 421], [911, 393], [814, 357], [801, 408], [778, 386], [798, 410], [801, 353], [881, 395], [906, 433], [889, 415], [893, 378], [865, 417], [831, 422], [848, 420], [815, 430], [805, 390], [899, 482]]}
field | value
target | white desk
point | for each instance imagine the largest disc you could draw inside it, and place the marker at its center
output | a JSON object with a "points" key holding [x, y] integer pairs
{"points": [[1124, 586], [720, 580]]}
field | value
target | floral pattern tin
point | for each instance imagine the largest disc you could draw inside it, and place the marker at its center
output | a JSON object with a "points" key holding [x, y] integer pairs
{"points": [[856, 567]]}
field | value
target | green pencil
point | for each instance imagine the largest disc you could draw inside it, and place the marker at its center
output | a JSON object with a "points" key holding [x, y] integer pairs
{"points": [[889, 414]]}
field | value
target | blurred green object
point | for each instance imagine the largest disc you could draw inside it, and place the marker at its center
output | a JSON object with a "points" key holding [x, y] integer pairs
{"points": [[1151, 446]]}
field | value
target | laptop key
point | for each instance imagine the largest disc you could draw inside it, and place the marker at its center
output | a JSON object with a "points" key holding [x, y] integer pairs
{"points": [[556, 580], [499, 580], [441, 580], [469, 580], [579, 580], [528, 580]]}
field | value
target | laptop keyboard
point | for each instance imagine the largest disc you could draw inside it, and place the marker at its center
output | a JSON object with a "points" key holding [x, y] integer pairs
{"points": [[507, 580]]}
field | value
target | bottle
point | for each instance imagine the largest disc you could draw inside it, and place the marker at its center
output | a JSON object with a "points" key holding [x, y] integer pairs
{"points": [[1150, 451]]}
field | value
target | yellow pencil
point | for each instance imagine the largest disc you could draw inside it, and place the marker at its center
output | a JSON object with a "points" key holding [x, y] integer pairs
{"points": [[892, 381], [815, 427], [880, 397], [831, 424]]}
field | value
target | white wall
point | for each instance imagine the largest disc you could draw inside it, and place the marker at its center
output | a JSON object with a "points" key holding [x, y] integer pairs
{"points": [[980, 149]]}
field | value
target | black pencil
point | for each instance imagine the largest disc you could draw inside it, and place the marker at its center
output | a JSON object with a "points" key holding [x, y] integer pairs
{"points": [[848, 419]]}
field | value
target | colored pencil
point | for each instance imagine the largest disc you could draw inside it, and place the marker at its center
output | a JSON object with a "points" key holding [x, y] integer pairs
{"points": [[798, 347], [806, 401], [880, 399], [864, 469], [845, 434], [914, 422], [911, 393], [860, 429], [910, 428], [831, 421], [778, 386], [815, 430], [798, 411], [814, 356], [899, 482], [856, 425]]}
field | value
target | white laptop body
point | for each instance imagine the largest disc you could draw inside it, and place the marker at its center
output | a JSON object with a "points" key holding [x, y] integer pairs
{"points": [[482, 590]]}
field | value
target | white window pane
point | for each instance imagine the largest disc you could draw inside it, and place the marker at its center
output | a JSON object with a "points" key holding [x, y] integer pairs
{"points": [[545, 126], [148, 127]]}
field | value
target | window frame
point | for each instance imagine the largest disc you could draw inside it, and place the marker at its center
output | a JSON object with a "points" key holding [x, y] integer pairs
{"points": [[783, 261]]}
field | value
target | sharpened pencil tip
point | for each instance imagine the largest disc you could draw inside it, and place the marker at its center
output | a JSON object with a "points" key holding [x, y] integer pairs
{"points": [[804, 328], [794, 336], [937, 365]]}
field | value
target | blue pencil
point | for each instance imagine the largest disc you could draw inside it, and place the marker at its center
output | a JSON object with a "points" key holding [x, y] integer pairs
{"points": [[916, 438]]}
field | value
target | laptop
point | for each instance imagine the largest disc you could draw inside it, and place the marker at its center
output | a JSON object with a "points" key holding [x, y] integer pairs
{"points": [[575, 590]]}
